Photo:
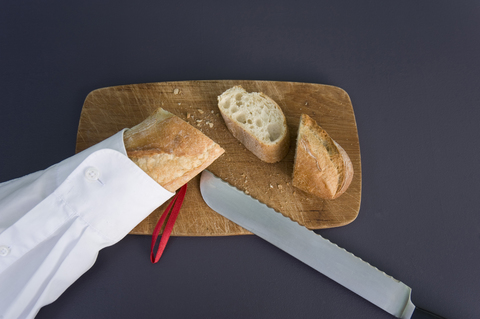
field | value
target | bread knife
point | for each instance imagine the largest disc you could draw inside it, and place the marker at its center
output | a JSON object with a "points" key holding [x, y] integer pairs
{"points": [[312, 249]]}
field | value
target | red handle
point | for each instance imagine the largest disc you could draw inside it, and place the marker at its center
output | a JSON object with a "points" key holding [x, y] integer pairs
{"points": [[176, 203]]}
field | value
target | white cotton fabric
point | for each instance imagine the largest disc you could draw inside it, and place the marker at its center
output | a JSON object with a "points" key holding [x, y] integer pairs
{"points": [[54, 222]]}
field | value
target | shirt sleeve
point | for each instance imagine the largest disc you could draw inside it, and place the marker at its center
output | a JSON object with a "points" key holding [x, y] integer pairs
{"points": [[54, 222]]}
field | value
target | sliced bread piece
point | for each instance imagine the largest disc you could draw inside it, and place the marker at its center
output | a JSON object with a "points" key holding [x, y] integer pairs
{"points": [[321, 165], [257, 122], [170, 150]]}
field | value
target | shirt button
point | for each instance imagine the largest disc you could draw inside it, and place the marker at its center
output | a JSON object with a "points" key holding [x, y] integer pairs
{"points": [[4, 251], [92, 173]]}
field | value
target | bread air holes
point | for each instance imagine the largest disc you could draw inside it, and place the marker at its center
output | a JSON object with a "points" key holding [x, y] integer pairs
{"points": [[274, 131], [259, 123], [226, 105], [236, 107], [242, 118]]}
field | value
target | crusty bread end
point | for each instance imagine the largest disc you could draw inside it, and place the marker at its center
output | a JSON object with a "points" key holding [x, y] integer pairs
{"points": [[170, 150], [321, 165]]}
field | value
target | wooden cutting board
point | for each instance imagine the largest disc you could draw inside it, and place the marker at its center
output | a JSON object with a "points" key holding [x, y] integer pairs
{"points": [[108, 110]]}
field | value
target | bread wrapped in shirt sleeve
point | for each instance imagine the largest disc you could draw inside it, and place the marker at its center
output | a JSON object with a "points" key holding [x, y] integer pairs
{"points": [[170, 150]]}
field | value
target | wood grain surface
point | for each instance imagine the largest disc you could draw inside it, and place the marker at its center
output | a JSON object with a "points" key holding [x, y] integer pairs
{"points": [[108, 110]]}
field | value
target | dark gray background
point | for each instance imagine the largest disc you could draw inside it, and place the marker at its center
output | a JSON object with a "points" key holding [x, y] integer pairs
{"points": [[412, 71]]}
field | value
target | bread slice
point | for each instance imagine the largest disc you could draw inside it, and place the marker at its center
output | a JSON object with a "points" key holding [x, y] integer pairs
{"points": [[170, 150], [321, 165], [257, 122]]}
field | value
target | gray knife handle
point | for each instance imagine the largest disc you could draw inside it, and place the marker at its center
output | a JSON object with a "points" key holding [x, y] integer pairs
{"points": [[420, 313]]}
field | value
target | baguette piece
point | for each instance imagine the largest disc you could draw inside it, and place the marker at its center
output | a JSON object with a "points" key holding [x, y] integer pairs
{"points": [[170, 150], [257, 122], [321, 165]]}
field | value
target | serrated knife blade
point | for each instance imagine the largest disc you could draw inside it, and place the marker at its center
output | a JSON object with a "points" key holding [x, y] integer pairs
{"points": [[312, 249]]}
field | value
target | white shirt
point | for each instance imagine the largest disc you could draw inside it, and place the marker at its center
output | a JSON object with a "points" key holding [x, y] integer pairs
{"points": [[54, 222]]}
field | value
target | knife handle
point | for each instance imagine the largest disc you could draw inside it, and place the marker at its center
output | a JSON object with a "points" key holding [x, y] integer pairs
{"points": [[420, 313]]}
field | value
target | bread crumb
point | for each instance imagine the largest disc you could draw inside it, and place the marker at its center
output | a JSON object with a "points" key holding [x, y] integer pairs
{"points": [[188, 115], [271, 186], [199, 121], [176, 91], [210, 124], [279, 186], [200, 111], [179, 103]]}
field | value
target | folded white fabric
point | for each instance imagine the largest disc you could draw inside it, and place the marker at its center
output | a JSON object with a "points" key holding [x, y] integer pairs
{"points": [[54, 222]]}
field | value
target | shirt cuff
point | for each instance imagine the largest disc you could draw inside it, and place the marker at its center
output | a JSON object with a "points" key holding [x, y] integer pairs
{"points": [[114, 142], [123, 193], [120, 194]]}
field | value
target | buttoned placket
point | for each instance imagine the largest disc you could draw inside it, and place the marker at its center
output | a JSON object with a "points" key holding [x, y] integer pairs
{"points": [[4, 251]]}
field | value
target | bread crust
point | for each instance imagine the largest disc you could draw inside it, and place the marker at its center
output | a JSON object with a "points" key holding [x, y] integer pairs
{"points": [[269, 153], [321, 166], [170, 150]]}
